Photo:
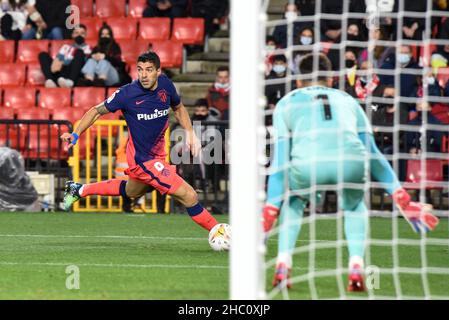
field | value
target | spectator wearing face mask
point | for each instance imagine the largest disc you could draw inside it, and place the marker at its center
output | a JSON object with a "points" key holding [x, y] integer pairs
{"points": [[281, 32], [409, 82], [65, 69], [218, 94], [274, 92], [105, 66], [270, 47], [304, 38]]}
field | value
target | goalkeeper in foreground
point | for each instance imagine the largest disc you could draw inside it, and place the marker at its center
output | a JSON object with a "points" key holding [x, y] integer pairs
{"points": [[323, 137]]}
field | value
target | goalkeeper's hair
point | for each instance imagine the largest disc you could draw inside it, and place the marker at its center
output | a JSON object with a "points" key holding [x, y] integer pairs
{"points": [[150, 56], [306, 66]]}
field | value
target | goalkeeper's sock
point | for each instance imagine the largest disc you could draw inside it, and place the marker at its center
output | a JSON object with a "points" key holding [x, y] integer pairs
{"points": [[114, 187], [201, 216], [290, 224], [356, 262], [356, 222]]}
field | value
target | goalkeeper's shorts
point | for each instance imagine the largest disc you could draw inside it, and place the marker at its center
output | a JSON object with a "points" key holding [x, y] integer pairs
{"points": [[157, 173]]}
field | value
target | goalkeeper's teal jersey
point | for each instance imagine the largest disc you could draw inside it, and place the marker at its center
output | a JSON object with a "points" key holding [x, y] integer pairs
{"points": [[322, 123]]}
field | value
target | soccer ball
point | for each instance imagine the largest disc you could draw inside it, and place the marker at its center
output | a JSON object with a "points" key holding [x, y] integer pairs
{"points": [[220, 237]]}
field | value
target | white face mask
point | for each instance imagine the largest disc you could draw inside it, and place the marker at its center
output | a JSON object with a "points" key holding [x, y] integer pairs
{"points": [[291, 15], [270, 49], [403, 58], [221, 85], [306, 40], [279, 68]]}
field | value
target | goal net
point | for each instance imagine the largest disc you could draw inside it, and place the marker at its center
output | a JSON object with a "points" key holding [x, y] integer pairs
{"points": [[392, 56]]}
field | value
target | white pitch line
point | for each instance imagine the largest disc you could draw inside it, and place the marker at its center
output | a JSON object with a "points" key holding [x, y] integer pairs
{"points": [[101, 237], [110, 265]]}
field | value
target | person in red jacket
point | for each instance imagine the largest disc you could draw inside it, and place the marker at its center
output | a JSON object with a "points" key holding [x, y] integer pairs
{"points": [[218, 94]]}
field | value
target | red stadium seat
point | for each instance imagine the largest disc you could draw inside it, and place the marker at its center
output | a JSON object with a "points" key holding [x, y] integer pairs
{"points": [[35, 77], [43, 142], [154, 28], [56, 45], [132, 49], [86, 7], [12, 75], [415, 177], [28, 50], [20, 98], [12, 137], [7, 48], [7, 113], [133, 71], [54, 98], [170, 53], [69, 114], [443, 76], [123, 28], [86, 98], [136, 8], [188, 30], [33, 114], [110, 8], [93, 25]]}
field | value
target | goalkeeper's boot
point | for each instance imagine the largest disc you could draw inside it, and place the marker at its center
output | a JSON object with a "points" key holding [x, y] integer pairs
{"points": [[282, 276], [71, 194], [356, 280]]}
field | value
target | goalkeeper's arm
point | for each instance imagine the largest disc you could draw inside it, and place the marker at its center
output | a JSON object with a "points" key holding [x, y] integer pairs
{"points": [[418, 215]]}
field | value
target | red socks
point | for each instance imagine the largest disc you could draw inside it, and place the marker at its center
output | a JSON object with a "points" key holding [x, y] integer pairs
{"points": [[201, 216], [113, 187]]}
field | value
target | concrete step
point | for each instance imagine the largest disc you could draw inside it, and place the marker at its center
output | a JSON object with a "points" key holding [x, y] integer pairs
{"points": [[202, 66], [194, 77], [219, 45], [209, 56], [221, 34], [191, 91]]}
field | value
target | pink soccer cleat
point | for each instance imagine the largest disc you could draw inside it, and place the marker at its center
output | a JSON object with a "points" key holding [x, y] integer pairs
{"points": [[282, 276], [356, 281]]}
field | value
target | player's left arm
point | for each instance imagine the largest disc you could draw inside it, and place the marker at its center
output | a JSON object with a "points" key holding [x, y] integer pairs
{"points": [[279, 166], [183, 118]]}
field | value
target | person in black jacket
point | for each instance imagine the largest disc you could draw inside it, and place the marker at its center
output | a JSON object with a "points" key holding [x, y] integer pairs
{"points": [[47, 20], [212, 11], [165, 8], [105, 66]]}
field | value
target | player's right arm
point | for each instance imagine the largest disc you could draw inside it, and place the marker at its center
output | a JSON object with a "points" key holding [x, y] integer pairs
{"points": [[86, 122]]}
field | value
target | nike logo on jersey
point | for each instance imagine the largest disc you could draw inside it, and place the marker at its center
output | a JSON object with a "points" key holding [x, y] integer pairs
{"points": [[140, 102]]}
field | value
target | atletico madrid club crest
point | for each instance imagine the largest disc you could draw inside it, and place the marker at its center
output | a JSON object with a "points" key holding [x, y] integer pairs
{"points": [[162, 95]]}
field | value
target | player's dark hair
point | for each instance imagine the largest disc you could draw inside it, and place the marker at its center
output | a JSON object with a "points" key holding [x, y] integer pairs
{"points": [[306, 66], [223, 68], [150, 57]]}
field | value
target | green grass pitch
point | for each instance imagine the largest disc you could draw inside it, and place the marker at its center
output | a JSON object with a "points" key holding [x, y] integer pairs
{"points": [[136, 256]]}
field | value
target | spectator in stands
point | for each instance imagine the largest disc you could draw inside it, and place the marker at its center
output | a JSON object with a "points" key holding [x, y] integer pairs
{"points": [[218, 94], [280, 32], [47, 20], [13, 17], [204, 171], [212, 11], [274, 92], [380, 52], [306, 37], [65, 69], [306, 7], [165, 8], [105, 66], [434, 137], [383, 115], [270, 48], [409, 84], [412, 27], [354, 33]]}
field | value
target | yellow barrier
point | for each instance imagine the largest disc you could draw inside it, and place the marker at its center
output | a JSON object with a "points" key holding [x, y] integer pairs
{"points": [[149, 203]]}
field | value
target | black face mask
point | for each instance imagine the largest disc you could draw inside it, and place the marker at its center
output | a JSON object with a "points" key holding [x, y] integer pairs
{"points": [[349, 63], [104, 41], [388, 104], [200, 117], [352, 37], [79, 40]]}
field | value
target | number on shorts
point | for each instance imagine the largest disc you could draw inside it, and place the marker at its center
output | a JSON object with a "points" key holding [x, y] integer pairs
{"points": [[159, 166], [326, 106]]}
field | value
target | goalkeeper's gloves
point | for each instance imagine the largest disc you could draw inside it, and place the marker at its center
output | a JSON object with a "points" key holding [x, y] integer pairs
{"points": [[420, 216], [270, 214], [401, 197]]}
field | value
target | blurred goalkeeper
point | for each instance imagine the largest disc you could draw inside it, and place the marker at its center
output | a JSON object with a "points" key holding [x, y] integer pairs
{"points": [[145, 104], [323, 137]]}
